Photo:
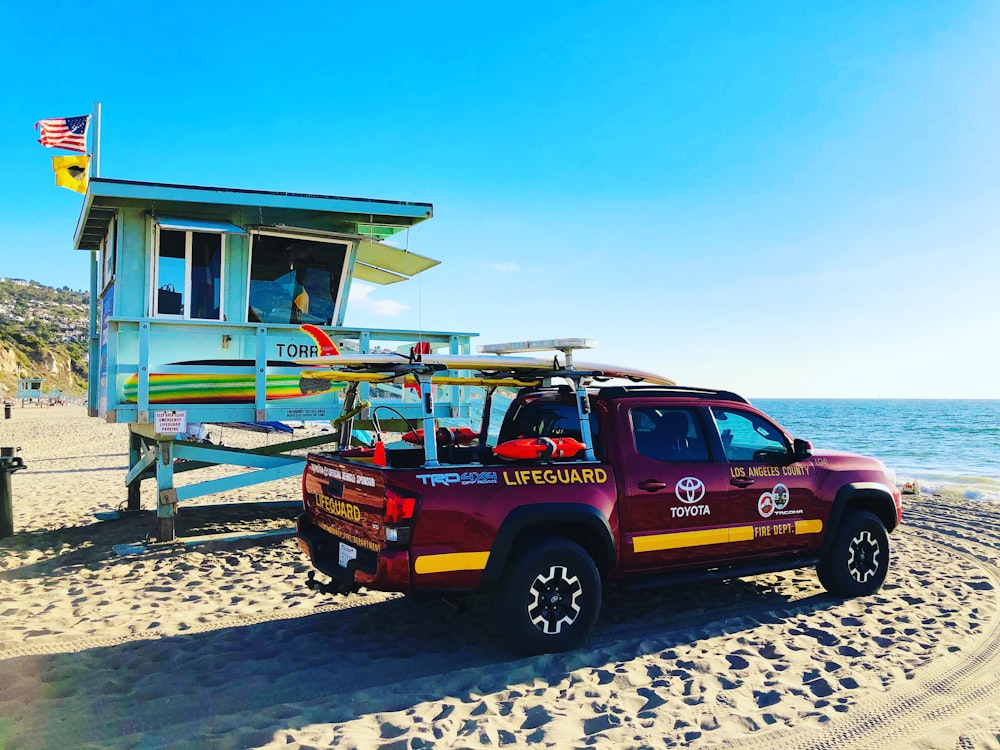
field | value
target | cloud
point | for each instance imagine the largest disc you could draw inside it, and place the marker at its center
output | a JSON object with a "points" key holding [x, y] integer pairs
{"points": [[509, 267], [361, 300]]}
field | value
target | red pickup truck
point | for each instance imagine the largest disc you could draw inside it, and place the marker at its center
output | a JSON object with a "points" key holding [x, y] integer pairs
{"points": [[687, 484]]}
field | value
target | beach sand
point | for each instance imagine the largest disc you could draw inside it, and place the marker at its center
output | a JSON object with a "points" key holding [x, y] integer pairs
{"points": [[225, 647]]}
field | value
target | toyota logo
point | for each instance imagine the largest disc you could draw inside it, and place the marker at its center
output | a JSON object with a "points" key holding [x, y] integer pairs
{"points": [[689, 490]]}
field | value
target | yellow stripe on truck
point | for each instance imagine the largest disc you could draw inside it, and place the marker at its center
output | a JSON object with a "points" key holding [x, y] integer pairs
{"points": [[726, 535], [678, 539], [451, 561], [741, 533], [813, 526]]}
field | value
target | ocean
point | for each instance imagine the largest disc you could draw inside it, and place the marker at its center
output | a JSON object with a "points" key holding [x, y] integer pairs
{"points": [[951, 447]]}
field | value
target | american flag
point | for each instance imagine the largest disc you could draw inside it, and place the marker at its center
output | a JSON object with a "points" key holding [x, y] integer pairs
{"points": [[69, 133]]}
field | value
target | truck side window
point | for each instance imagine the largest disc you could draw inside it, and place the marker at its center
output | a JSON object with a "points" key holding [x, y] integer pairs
{"points": [[668, 434], [748, 437]]}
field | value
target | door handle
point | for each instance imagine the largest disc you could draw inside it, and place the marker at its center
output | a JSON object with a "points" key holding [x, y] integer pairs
{"points": [[652, 485], [741, 482]]}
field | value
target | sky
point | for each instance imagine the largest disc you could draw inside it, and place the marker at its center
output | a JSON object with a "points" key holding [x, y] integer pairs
{"points": [[782, 199]]}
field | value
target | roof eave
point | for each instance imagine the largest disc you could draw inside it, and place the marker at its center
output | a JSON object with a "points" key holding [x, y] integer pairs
{"points": [[105, 194]]}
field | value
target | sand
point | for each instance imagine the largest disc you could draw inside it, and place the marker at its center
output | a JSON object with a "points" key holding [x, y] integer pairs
{"points": [[224, 647]]}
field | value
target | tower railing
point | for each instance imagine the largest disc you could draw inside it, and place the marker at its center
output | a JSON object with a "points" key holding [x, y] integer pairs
{"points": [[258, 359]]}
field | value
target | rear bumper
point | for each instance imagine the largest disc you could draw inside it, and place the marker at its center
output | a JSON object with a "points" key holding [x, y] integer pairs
{"points": [[386, 570]]}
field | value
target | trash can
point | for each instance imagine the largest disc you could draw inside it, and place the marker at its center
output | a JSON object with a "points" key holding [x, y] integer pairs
{"points": [[9, 463], [7, 407]]}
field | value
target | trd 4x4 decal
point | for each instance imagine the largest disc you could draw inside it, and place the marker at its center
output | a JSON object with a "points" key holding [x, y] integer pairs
{"points": [[464, 478]]}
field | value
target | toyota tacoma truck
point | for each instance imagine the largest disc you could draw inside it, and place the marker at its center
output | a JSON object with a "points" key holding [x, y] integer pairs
{"points": [[586, 485]]}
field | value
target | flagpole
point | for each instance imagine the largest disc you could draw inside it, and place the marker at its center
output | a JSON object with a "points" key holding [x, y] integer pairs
{"points": [[97, 139], [95, 339]]}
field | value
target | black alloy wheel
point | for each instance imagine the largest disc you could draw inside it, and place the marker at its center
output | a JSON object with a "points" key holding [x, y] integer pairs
{"points": [[858, 561], [550, 596]]}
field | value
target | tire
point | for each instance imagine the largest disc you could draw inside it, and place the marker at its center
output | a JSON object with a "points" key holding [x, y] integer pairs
{"points": [[549, 596], [858, 561]]}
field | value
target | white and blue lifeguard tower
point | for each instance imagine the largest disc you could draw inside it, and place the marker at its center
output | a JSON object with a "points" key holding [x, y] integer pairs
{"points": [[197, 295], [30, 389]]}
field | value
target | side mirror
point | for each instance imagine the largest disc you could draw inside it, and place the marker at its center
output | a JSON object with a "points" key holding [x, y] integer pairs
{"points": [[801, 449]]}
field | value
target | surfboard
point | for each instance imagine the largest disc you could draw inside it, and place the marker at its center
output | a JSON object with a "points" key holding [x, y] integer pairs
{"points": [[482, 363], [355, 376], [235, 388], [488, 364], [218, 387]]}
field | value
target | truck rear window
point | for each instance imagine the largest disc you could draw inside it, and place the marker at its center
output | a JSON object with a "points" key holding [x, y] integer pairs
{"points": [[547, 419]]}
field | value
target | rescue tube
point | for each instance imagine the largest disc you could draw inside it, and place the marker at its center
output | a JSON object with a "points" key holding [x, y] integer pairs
{"points": [[445, 436], [541, 449]]}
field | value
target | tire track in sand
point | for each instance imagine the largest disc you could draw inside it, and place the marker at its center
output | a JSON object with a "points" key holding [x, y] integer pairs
{"points": [[941, 691]]}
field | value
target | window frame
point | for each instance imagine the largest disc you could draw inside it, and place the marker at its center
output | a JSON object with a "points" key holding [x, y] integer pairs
{"points": [[694, 421], [109, 254], [186, 292], [350, 241], [750, 416]]}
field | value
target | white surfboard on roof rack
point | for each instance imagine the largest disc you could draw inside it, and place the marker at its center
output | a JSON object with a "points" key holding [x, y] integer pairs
{"points": [[493, 359]]}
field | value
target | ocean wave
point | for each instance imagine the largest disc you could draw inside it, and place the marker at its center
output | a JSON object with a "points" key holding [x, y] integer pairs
{"points": [[985, 489]]}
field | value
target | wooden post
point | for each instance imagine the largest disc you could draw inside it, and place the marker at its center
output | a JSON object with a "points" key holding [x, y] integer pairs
{"points": [[166, 495], [6, 503], [134, 455], [9, 463]]}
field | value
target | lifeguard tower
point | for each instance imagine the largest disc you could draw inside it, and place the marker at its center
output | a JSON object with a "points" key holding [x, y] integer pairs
{"points": [[197, 295], [30, 389]]}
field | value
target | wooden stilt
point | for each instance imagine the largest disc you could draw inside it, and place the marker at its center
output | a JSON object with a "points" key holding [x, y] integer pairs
{"points": [[134, 455], [166, 495]]}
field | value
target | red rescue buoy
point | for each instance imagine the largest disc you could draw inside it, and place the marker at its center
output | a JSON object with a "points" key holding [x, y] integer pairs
{"points": [[445, 436], [541, 449]]}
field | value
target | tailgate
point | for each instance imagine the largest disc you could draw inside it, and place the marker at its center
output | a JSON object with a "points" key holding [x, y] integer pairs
{"points": [[346, 499]]}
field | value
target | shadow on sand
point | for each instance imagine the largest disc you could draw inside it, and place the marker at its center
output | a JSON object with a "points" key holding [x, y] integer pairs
{"points": [[248, 682]]}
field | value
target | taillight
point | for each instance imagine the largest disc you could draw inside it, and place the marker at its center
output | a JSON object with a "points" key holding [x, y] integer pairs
{"points": [[399, 507], [304, 472]]}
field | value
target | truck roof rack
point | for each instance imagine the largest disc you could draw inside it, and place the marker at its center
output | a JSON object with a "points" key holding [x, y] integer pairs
{"points": [[679, 391], [543, 345]]}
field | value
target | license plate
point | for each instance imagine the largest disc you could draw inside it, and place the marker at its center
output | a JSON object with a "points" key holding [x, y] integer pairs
{"points": [[347, 553]]}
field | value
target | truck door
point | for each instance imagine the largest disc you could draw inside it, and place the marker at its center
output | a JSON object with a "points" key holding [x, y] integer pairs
{"points": [[676, 492], [775, 495]]}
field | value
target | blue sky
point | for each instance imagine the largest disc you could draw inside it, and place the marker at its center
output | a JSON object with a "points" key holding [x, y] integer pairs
{"points": [[785, 199]]}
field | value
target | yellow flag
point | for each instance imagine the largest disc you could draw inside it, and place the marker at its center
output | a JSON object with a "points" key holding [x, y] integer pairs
{"points": [[71, 172], [301, 301]]}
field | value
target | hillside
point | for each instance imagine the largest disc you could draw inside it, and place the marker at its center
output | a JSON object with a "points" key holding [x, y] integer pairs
{"points": [[43, 334]]}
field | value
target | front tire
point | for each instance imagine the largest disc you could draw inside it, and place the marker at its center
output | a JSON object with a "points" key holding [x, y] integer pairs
{"points": [[858, 561], [549, 597]]}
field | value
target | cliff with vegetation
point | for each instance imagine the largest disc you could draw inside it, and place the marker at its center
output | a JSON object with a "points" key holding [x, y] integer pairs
{"points": [[43, 334]]}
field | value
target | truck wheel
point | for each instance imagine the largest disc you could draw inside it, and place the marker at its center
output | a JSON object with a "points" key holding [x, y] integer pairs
{"points": [[857, 563], [549, 597]]}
